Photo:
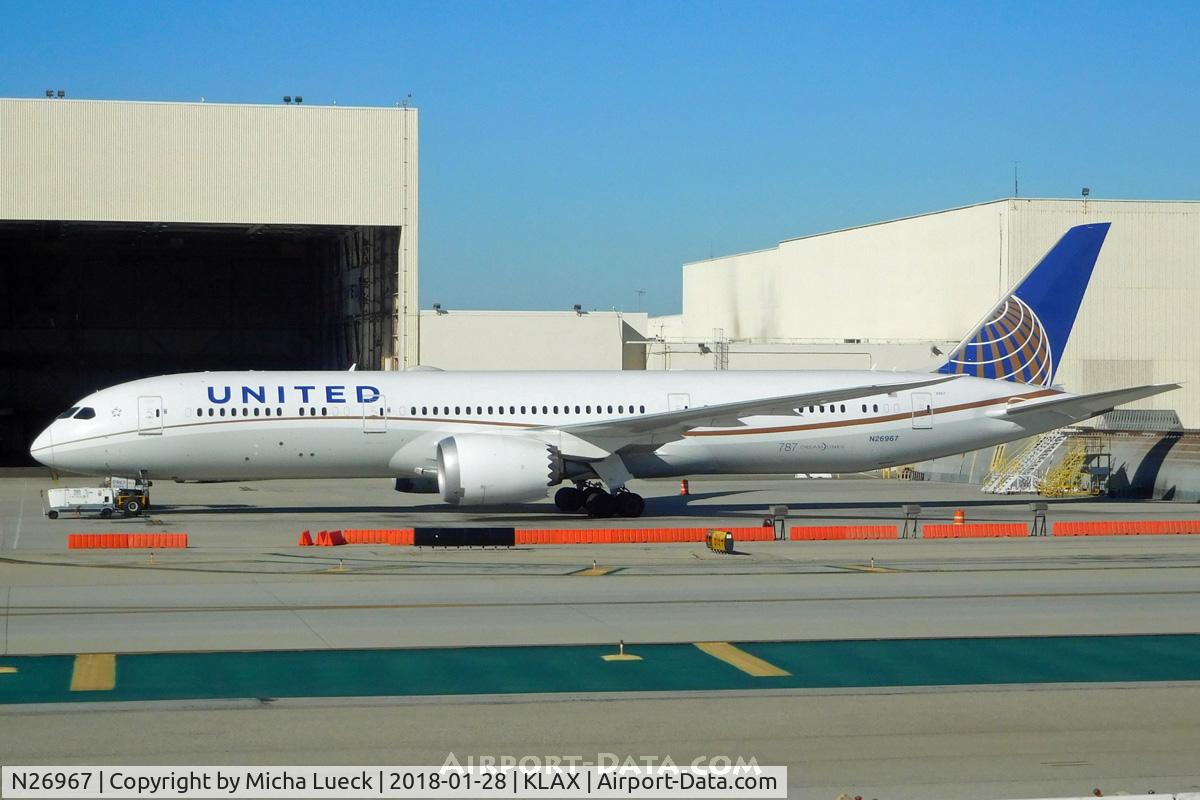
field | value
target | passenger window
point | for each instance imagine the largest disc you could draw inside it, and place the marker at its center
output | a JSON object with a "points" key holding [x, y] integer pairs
{"points": [[643, 409], [512, 409], [222, 412], [435, 411], [267, 411], [199, 412], [610, 409], [256, 412], [576, 409], [522, 409], [324, 412], [588, 409], [620, 409], [446, 410], [279, 412], [843, 408], [545, 409], [490, 411], [457, 410], [556, 409], [875, 407]]}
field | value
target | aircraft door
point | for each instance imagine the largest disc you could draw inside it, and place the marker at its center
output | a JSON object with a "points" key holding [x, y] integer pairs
{"points": [[150, 416], [375, 416], [678, 402], [922, 411]]}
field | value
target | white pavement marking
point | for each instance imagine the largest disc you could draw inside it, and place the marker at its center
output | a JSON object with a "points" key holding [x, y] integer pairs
{"points": [[20, 514]]}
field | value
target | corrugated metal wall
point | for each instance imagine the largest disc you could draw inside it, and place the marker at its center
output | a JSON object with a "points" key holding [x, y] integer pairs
{"points": [[1137, 321], [203, 162]]}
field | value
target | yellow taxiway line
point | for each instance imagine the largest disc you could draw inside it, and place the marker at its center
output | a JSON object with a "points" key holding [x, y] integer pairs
{"points": [[735, 656], [94, 672]]}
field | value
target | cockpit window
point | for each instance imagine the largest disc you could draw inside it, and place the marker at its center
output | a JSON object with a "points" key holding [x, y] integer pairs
{"points": [[70, 412], [86, 413]]}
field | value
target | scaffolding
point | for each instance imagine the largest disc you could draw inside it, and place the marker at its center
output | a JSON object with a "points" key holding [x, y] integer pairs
{"points": [[1083, 471], [1023, 472]]}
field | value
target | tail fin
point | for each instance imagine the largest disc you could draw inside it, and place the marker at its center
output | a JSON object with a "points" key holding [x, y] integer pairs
{"points": [[1023, 337]]}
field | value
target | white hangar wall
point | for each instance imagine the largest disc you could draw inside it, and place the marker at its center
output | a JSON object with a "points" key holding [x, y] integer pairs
{"points": [[891, 285], [532, 340]]}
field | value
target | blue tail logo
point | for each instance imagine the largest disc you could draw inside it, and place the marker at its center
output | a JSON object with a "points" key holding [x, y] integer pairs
{"points": [[1022, 339]]}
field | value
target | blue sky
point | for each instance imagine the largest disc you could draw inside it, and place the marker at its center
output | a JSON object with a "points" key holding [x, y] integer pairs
{"points": [[575, 152]]}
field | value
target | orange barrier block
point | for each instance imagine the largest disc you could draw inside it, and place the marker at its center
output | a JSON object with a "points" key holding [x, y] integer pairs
{"points": [[810, 533], [389, 536], [977, 530], [122, 541], [1127, 527]]}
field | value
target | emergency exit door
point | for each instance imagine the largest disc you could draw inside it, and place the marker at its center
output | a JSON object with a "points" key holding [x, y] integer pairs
{"points": [[679, 402], [375, 416], [150, 416], [922, 410]]}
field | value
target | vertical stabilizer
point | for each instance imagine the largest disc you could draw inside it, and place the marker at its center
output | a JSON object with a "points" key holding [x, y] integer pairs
{"points": [[1023, 337]]}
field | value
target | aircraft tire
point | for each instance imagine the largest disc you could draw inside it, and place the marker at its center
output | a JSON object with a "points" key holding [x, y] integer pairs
{"points": [[600, 504], [568, 498], [630, 504]]}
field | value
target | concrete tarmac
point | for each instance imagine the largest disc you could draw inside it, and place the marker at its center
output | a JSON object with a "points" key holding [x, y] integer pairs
{"points": [[245, 585]]}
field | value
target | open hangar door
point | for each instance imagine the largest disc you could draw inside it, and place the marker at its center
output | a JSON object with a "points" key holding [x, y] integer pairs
{"points": [[88, 305]]}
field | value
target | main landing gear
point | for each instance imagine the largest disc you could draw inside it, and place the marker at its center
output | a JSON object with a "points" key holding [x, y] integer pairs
{"points": [[596, 502]]}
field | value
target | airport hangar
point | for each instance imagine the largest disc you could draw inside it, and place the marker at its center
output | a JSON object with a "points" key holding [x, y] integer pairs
{"points": [[142, 238]]}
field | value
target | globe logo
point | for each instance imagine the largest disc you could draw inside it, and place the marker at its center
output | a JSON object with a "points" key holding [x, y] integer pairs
{"points": [[1012, 346]]}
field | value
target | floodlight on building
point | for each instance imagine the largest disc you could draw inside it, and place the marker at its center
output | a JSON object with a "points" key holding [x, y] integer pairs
{"points": [[437, 308], [299, 99], [578, 309], [287, 98], [61, 94], [49, 93], [1086, 191]]}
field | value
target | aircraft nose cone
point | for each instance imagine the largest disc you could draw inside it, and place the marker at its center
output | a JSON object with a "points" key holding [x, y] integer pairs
{"points": [[42, 448]]}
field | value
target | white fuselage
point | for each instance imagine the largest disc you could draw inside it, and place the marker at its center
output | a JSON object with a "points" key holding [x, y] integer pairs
{"points": [[259, 425]]}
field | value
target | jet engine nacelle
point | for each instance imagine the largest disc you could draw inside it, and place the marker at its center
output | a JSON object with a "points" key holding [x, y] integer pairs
{"points": [[475, 469]]}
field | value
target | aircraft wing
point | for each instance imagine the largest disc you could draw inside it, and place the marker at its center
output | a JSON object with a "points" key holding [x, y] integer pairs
{"points": [[1078, 407], [653, 430]]}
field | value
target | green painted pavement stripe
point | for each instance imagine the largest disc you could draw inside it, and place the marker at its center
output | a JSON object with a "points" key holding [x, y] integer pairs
{"points": [[665, 667]]}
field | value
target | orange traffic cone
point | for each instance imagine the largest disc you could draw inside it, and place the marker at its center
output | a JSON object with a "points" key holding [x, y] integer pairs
{"points": [[683, 488], [959, 516], [305, 540]]}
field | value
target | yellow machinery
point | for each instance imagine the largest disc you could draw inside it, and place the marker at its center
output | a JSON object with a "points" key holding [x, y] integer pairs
{"points": [[719, 541], [1071, 477]]}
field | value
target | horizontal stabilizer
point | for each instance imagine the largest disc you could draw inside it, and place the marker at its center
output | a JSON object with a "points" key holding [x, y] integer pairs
{"points": [[1078, 407], [657, 429]]}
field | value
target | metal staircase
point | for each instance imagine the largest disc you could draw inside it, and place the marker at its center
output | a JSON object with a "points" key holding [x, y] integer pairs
{"points": [[1021, 474]]}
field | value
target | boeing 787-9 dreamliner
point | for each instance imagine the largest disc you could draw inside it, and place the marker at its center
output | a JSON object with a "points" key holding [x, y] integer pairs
{"points": [[480, 438]]}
